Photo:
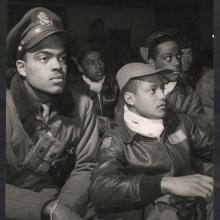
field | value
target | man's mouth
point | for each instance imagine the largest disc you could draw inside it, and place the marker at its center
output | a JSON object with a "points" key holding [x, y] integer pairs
{"points": [[99, 74], [176, 71], [58, 79], [161, 106]]}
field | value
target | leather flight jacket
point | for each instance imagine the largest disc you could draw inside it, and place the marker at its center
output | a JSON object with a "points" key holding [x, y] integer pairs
{"points": [[131, 166]]}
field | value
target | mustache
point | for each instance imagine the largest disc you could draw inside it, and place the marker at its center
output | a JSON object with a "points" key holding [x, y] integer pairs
{"points": [[59, 71]]}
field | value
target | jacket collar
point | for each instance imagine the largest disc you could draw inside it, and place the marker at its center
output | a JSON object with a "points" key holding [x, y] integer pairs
{"points": [[87, 87], [24, 103]]}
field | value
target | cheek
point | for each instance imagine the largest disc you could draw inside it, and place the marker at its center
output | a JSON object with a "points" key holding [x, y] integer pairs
{"points": [[143, 102], [36, 75], [162, 64], [88, 70]]}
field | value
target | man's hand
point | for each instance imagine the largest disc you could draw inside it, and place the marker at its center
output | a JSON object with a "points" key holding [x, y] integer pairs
{"points": [[61, 212], [188, 186]]}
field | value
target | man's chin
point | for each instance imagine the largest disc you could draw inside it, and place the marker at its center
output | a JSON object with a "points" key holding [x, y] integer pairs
{"points": [[56, 91]]}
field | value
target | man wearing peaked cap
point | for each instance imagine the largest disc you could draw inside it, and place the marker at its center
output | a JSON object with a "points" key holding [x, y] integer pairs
{"points": [[135, 70], [36, 25], [51, 129], [146, 157]]}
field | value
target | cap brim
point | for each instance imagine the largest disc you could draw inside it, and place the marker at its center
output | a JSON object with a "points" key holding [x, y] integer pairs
{"points": [[163, 71], [44, 35]]}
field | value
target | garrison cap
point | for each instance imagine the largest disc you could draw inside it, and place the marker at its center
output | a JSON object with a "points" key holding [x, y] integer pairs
{"points": [[36, 25], [136, 70]]}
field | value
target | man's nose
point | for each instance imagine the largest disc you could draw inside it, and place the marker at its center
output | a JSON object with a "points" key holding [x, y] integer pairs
{"points": [[176, 61], [56, 64], [98, 65], [161, 95]]}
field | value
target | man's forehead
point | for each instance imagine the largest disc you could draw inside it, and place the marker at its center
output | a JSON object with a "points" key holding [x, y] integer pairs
{"points": [[168, 45], [58, 50], [92, 54], [186, 49]]}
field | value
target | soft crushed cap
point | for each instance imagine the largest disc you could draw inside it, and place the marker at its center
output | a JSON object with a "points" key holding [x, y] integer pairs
{"points": [[36, 25], [136, 70]]}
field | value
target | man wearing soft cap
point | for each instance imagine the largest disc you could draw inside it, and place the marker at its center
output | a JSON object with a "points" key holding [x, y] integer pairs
{"points": [[144, 169], [51, 130]]}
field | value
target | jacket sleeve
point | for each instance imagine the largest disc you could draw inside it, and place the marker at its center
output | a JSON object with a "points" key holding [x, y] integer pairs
{"points": [[189, 103], [25, 204], [75, 192], [112, 188], [202, 141]]}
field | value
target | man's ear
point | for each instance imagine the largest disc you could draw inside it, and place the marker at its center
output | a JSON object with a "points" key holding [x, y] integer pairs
{"points": [[80, 68], [20, 64], [152, 63], [129, 98]]}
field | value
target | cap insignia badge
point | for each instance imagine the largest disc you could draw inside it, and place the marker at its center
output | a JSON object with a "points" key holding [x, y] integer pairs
{"points": [[44, 20]]}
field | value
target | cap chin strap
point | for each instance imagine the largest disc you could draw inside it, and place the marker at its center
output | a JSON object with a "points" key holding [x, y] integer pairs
{"points": [[144, 126]]}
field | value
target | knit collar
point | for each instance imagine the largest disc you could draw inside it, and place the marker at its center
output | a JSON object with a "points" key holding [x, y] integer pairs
{"points": [[94, 86]]}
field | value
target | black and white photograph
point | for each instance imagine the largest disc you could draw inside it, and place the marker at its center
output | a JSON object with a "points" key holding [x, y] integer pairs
{"points": [[108, 110]]}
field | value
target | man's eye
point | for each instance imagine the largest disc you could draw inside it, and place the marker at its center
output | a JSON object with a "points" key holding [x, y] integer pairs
{"points": [[153, 91], [43, 59], [168, 58], [63, 59], [91, 63], [101, 60]]}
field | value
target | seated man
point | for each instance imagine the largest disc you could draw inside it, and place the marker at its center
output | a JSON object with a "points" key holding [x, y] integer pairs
{"points": [[162, 51], [51, 131], [144, 169], [189, 73], [98, 85]]}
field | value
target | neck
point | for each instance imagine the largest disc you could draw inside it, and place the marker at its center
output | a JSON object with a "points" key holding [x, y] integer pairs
{"points": [[38, 95]]}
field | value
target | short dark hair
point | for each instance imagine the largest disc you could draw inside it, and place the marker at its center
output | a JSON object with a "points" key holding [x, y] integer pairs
{"points": [[153, 47], [131, 86], [85, 50]]}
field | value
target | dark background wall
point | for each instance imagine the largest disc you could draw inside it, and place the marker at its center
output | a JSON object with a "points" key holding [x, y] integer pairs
{"points": [[134, 19]]}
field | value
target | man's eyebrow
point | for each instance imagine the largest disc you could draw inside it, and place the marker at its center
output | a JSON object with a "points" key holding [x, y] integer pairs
{"points": [[42, 52], [90, 59]]}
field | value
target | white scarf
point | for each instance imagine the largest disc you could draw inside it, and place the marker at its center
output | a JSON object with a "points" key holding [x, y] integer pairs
{"points": [[94, 86], [169, 87], [143, 126]]}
